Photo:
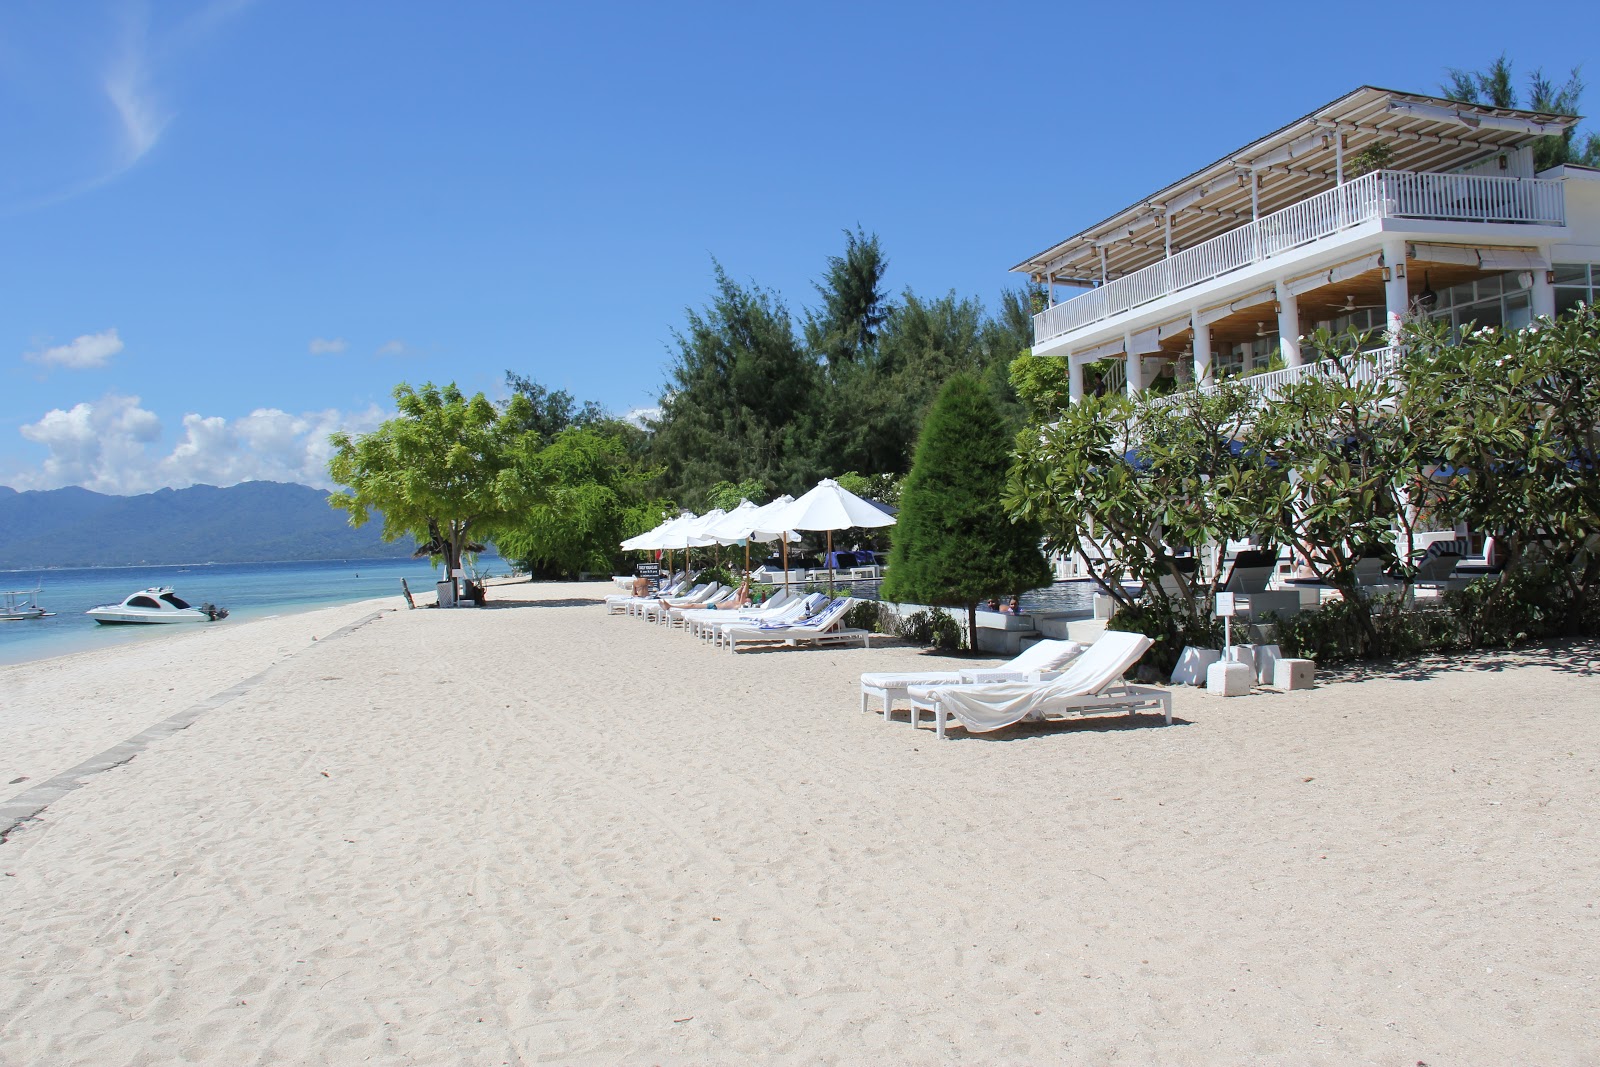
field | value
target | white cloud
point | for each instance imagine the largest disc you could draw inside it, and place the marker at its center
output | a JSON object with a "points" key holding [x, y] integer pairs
{"points": [[327, 346], [113, 445], [638, 416], [396, 347], [81, 353]]}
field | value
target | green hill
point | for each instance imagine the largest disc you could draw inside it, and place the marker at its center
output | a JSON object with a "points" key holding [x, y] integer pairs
{"points": [[243, 523]]}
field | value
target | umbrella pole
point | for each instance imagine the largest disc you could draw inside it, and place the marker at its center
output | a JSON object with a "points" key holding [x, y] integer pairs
{"points": [[784, 540], [830, 562]]}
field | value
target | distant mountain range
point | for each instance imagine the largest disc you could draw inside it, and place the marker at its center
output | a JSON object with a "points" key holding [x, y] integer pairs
{"points": [[245, 523]]}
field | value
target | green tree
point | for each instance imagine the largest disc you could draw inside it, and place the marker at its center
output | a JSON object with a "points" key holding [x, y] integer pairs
{"points": [[552, 411], [854, 304], [740, 400], [1514, 419], [727, 495], [1357, 470], [954, 544], [597, 497], [447, 470], [1494, 87]]}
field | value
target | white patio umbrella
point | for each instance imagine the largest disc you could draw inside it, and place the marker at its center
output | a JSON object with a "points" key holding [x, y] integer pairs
{"points": [[647, 541], [692, 534], [830, 506], [747, 523]]}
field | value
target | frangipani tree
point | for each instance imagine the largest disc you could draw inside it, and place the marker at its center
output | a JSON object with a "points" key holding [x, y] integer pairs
{"points": [[447, 470]]}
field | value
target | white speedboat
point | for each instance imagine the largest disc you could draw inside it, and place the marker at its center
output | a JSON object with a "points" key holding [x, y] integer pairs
{"points": [[17, 605], [156, 605]]}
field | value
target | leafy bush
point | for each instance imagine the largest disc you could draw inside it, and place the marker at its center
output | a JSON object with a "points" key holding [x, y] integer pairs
{"points": [[1520, 605], [1170, 630], [869, 615], [931, 628], [1338, 632]]}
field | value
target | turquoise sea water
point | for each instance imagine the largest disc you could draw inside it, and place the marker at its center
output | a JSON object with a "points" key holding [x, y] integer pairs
{"points": [[247, 590]]}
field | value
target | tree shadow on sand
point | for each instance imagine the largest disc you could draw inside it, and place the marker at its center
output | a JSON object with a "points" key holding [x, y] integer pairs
{"points": [[1579, 657]]}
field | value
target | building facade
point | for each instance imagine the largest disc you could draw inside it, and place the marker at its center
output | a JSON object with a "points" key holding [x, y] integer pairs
{"points": [[1379, 206]]}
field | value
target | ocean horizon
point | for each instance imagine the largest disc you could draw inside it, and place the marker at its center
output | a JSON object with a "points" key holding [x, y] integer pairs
{"points": [[248, 590]]}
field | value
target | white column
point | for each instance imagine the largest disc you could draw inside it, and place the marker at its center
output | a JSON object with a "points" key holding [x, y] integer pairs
{"points": [[1074, 380], [1202, 350], [1544, 295], [1133, 365], [1289, 326], [1395, 296]]}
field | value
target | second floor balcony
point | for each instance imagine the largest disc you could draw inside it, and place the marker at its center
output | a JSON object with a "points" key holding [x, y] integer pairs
{"points": [[1382, 194]]}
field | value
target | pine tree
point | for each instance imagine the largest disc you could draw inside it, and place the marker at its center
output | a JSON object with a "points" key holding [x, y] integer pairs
{"points": [[954, 545]]}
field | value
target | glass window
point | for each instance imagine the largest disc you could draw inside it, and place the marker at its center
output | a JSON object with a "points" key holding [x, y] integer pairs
{"points": [[142, 602], [1567, 299], [1572, 273]]}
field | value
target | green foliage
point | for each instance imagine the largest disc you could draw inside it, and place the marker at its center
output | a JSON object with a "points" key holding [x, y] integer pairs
{"points": [[854, 304], [728, 495], [869, 615], [1494, 86], [547, 412], [954, 545], [884, 488], [445, 470], [1345, 630], [1525, 604], [1376, 156], [598, 495], [1170, 630], [930, 628], [741, 399]]}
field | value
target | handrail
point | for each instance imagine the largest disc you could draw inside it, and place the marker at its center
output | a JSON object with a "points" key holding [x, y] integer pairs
{"points": [[1378, 194], [1373, 365]]}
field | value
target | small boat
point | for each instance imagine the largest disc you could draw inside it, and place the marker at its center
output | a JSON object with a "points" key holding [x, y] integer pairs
{"points": [[156, 605], [17, 605]]}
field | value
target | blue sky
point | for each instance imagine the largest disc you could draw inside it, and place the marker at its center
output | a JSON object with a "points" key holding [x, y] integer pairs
{"points": [[231, 227]]}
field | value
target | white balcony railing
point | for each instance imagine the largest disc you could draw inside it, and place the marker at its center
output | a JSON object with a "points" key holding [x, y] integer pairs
{"points": [[1380, 194], [1377, 364]]}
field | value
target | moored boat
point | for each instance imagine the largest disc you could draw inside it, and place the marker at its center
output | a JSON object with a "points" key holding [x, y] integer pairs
{"points": [[155, 605], [17, 605]]}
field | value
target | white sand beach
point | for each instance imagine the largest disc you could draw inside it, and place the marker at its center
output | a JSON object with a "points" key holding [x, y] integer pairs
{"points": [[534, 833]]}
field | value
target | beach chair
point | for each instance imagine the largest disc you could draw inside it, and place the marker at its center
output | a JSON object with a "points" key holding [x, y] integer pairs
{"points": [[730, 600], [821, 628], [657, 612], [1035, 663], [1092, 685], [1189, 567], [1251, 570], [702, 622], [625, 603], [797, 609]]}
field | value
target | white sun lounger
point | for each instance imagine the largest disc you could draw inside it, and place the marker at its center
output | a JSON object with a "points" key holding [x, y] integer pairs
{"points": [[1038, 660], [1092, 685], [796, 610], [701, 622], [657, 612], [618, 603], [821, 628]]}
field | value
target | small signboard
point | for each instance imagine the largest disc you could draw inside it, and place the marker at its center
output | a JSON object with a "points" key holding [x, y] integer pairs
{"points": [[1225, 608], [647, 570]]}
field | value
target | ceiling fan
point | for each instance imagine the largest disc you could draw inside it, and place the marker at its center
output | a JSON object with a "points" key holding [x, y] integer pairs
{"points": [[1350, 305]]}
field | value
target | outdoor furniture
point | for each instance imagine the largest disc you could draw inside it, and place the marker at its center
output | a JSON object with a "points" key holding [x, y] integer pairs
{"points": [[1034, 662], [822, 628], [1092, 685], [1251, 570]]}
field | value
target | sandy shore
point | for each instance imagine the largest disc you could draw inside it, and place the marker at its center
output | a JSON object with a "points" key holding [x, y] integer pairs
{"points": [[535, 833]]}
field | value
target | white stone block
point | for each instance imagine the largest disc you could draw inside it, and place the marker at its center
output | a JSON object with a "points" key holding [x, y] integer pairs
{"points": [[1226, 679], [1244, 654], [1104, 606], [1294, 674], [1267, 657], [1192, 665]]}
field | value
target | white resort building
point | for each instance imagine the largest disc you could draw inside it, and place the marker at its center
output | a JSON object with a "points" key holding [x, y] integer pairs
{"points": [[1378, 205]]}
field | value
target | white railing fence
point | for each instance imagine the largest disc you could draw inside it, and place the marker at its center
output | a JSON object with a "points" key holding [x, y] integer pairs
{"points": [[1378, 364], [1380, 194]]}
